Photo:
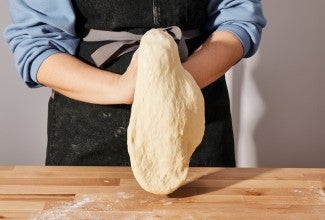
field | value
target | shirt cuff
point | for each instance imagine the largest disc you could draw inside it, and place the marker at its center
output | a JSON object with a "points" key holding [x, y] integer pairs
{"points": [[241, 34], [36, 65]]}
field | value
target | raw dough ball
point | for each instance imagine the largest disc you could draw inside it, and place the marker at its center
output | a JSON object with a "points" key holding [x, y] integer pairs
{"points": [[167, 117]]}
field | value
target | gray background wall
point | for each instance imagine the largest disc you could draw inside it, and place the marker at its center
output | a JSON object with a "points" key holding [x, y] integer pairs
{"points": [[278, 96]]}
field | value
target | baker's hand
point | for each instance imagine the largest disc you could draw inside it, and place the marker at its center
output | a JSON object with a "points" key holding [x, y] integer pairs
{"points": [[127, 81]]}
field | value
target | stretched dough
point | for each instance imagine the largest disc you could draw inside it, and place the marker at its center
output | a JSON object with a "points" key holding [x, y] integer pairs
{"points": [[167, 117]]}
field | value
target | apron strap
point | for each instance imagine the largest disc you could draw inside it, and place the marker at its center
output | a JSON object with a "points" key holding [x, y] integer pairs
{"points": [[120, 43]]}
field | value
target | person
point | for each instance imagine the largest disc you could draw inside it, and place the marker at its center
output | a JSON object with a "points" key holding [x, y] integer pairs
{"points": [[90, 106]]}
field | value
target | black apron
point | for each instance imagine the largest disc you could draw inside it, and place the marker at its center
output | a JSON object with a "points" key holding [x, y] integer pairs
{"points": [[80, 133]]}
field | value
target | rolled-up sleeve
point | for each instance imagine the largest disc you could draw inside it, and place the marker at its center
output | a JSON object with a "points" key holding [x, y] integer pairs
{"points": [[243, 18], [39, 29]]}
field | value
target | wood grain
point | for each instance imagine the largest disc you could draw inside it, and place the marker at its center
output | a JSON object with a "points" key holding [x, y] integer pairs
{"points": [[38, 192]]}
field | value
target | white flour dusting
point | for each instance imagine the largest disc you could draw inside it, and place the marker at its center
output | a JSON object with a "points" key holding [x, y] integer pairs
{"points": [[297, 191], [124, 195], [322, 193], [86, 206], [167, 203], [318, 191], [313, 191], [63, 211]]}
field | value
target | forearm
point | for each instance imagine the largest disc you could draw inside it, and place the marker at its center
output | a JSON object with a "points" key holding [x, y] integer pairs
{"points": [[78, 80], [214, 58]]}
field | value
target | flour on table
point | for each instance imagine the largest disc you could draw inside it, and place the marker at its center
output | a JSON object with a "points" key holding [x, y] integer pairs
{"points": [[63, 210], [106, 206]]}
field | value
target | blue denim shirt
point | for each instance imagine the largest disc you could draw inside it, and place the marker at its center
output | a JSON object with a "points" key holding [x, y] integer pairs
{"points": [[42, 28]]}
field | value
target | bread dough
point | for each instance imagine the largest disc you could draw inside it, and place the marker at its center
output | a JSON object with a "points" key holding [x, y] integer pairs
{"points": [[167, 117]]}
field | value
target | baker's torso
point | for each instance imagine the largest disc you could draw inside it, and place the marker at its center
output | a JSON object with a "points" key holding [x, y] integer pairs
{"points": [[86, 134]]}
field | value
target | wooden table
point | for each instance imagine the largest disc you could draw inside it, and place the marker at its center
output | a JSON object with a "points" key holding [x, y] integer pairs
{"points": [[37, 192]]}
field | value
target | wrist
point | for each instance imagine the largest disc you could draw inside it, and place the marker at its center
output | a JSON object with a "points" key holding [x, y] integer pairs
{"points": [[111, 89]]}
